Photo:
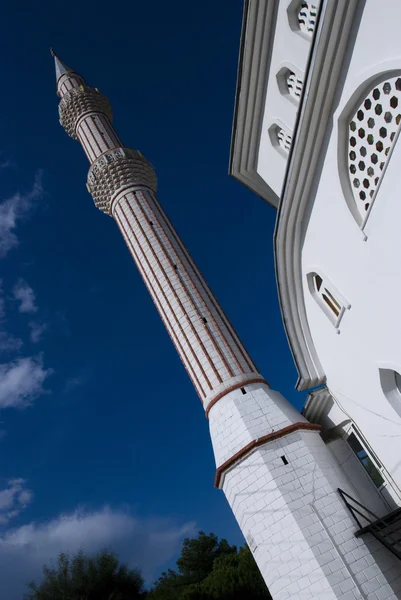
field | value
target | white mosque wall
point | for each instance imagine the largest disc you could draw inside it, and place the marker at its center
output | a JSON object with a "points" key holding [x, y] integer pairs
{"points": [[357, 253], [368, 492]]}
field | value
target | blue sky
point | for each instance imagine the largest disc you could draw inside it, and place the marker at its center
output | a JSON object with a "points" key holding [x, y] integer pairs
{"points": [[104, 441]]}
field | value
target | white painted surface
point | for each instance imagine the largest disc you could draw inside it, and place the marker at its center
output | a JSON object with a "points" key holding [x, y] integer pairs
{"points": [[237, 419], [368, 492], [365, 272]]}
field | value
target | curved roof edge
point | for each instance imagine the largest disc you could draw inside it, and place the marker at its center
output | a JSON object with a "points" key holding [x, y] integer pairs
{"points": [[257, 34], [326, 58]]}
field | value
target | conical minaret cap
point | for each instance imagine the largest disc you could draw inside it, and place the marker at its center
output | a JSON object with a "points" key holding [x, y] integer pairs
{"points": [[61, 68]]}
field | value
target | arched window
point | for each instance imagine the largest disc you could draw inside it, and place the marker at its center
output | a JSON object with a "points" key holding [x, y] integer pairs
{"points": [[372, 132], [284, 139], [281, 139], [391, 385], [290, 83], [328, 298], [307, 14], [302, 17]]}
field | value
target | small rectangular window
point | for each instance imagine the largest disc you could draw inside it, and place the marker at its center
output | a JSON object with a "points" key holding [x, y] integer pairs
{"points": [[285, 461], [243, 390]]}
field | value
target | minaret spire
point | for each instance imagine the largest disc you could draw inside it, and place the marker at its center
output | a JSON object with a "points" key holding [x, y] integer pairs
{"points": [[277, 474], [64, 73]]}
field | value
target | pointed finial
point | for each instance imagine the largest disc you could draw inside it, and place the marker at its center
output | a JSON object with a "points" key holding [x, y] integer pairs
{"points": [[61, 68]]}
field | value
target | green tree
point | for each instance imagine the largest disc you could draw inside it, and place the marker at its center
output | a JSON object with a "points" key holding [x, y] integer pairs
{"points": [[235, 577], [198, 556], [209, 569], [84, 577]]}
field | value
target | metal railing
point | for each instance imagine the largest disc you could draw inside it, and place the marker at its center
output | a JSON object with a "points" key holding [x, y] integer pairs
{"points": [[379, 526]]}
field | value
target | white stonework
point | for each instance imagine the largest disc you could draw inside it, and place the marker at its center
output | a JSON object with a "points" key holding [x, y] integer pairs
{"points": [[298, 528]]}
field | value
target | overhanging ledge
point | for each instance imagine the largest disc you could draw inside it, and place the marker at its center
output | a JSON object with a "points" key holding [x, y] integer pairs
{"points": [[258, 26]]}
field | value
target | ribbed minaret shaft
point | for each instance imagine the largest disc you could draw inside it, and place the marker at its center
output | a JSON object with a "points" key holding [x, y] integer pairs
{"points": [[208, 346], [123, 185]]}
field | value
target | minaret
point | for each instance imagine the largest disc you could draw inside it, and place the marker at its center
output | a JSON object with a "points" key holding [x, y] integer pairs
{"points": [[277, 474]]}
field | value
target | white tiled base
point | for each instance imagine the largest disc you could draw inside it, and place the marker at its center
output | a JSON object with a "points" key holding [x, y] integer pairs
{"points": [[297, 526]]}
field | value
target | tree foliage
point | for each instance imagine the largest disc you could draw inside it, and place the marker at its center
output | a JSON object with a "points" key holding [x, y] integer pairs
{"points": [[209, 569], [83, 577]]}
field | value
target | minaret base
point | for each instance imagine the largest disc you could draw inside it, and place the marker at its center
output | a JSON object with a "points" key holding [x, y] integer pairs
{"points": [[284, 496]]}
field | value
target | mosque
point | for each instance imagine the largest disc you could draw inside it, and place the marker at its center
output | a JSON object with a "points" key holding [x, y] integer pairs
{"points": [[317, 116]]}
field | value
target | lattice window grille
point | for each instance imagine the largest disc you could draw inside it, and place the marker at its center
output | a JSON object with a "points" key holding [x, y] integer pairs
{"points": [[294, 85], [307, 15], [284, 139], [372, 134]]}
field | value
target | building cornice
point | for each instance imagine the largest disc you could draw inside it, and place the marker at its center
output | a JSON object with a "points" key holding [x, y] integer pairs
{"points": [[317, 405], [328, 51], [258, 27]]}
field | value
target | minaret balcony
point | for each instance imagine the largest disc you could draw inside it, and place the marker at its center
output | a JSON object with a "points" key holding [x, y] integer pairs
{"points": [[81, 101], [116, 170]]}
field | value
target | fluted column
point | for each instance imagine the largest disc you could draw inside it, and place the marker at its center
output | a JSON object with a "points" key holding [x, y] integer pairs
{"points": [[208, 346]]}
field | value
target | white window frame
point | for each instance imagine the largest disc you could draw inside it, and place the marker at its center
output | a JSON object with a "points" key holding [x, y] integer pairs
{"points": [[352, 429], [390, 380], [333, 295]]}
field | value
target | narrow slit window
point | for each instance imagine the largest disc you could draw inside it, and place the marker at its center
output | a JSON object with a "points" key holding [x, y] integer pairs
{"points": [[331, 302], [243, 390], [285, 461], [327, 297], [318, 282]]}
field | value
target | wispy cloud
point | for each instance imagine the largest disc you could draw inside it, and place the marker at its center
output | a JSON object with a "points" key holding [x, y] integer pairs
{"points": [[12, 210], [146, 543], [21, 381], [25, 295], [6, 164], [76, 382], [13, 499], [37, 331], [9, 343]]}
